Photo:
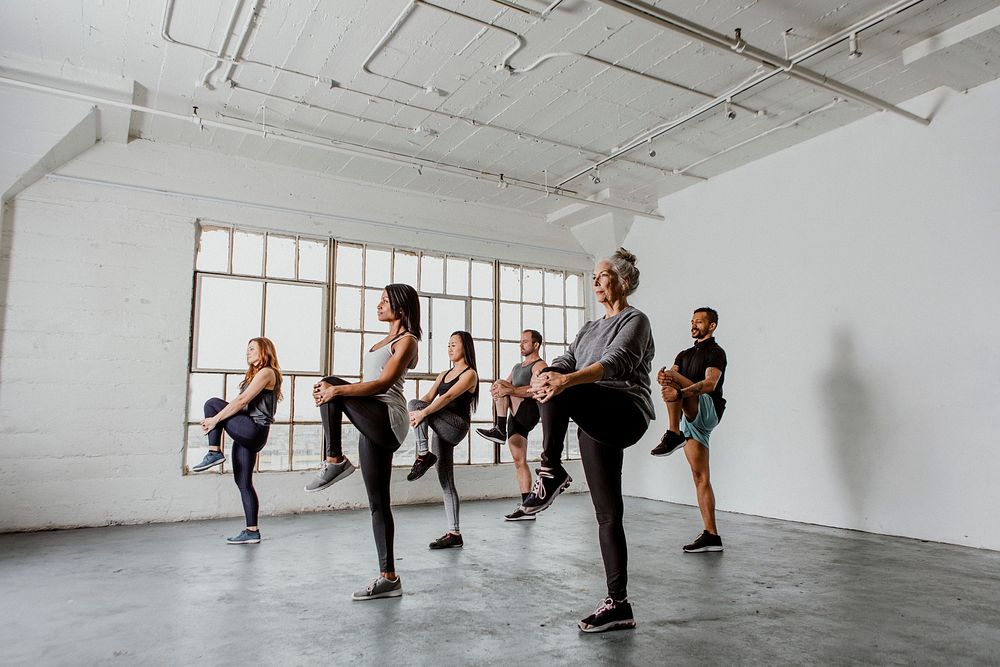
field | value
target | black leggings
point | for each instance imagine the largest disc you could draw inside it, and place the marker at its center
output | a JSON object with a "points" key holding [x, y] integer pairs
{"points": [[376, 445], [608, 422], [249, 438]]}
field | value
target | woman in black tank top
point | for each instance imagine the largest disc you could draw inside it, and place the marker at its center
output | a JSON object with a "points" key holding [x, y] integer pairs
{"points": [[247, 421], [447, 410]]}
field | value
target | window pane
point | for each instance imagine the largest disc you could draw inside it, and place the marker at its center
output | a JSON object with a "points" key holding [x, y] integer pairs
{"points": [[423, 346], [458, 276], [307, 446], [228, 316], [447, 316], [305, 409], [481, 452], [535, 443], [378, 267], [510, 321], [510, 354], [532, 319], [484, 411], [574, 320], [431, 274], [372, 323], [294, 323], [510, 282], [201, 387], [552, 351], [233, 382], [462, 450], [532, 285], [574, 290], [283, 411], [350, 439], [484, 360], [274, 456], [248, 253], [213, 250], [312, 260], [554, 288], [554, 329], [346, 353], [348, 308], [349, 264], [405, 270], [482, 319], [572, 447], [280, 256], [482, 279]]}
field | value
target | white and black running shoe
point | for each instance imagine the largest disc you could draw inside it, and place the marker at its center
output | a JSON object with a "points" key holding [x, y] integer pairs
{"points": [[548, 484], [609, 615], [704, 543]]}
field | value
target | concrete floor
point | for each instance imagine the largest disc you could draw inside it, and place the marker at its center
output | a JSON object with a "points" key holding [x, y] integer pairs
{"points": [[781, 593]]}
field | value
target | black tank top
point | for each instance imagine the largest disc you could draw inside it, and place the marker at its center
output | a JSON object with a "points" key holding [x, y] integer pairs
{"points": [[461, 406], [262, 407]]}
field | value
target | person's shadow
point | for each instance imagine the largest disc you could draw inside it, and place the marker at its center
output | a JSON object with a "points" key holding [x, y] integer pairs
{"points": [[851, 424]]}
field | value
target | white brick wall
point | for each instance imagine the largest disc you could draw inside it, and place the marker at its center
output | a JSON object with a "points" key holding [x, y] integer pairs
{"points": [[95, 345]]}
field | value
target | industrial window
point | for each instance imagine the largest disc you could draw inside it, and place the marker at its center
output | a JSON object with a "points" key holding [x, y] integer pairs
{"points": [[315, 298]]}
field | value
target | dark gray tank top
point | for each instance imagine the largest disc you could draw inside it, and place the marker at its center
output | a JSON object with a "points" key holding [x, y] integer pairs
{"points": [[520, 376], [261, 409]]}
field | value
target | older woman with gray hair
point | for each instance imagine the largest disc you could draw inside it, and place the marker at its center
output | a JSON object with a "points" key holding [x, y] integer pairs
{"points": [[602, 384]]}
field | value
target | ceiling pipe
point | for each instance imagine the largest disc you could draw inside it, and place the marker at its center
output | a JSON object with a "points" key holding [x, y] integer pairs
{"points": [[777, 128], [168, 12], [331, 145], [401, 19], [736, 44], [206, 79], [621, 68], [244, 38], [239, 60], [750, 82]]}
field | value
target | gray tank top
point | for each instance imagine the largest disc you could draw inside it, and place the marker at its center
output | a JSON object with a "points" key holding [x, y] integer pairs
{"points": [[261, 409], [520, 376], [374, 364]]}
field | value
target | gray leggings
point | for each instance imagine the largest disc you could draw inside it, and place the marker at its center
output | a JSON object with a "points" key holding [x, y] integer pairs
{"points": [[447, 429]]}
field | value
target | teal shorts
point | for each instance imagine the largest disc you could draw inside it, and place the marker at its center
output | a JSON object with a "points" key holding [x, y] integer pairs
{"points": [[701, 428]]}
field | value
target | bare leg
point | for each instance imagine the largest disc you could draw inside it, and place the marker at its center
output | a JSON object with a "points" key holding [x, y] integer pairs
{"points": [[697, 456], [518, 446], [502, 406], [674, 408]]}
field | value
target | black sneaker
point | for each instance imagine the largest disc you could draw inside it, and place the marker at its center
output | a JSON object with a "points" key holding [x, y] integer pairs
{"points": [[493, 434], [548, 485], [669, 443], [519, 515], [704, 543], [421, 465], [447, 541], [609, 615]]}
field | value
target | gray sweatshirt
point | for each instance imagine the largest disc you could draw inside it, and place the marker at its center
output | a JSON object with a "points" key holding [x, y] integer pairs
{"points": [[623, 344]]}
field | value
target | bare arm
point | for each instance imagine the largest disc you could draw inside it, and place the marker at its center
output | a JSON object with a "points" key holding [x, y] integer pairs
{"points": [[403, 352], [264, 379], [464, 384], [705, 386], [432, 392]]}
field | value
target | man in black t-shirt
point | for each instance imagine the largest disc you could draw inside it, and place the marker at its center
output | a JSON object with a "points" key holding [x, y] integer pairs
{"points": [[692, 390]]}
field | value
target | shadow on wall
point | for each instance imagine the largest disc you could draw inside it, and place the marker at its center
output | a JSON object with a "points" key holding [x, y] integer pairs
{"points": [[852, 425], [6, 236]]}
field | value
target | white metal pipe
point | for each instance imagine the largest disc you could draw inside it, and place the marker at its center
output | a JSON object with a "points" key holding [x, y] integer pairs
{"points": [[605, 63], [772, 130], [737, 45], [401, 19], [750, 82], [335, 146], [244, 37], [168, 11], [230, 26]]}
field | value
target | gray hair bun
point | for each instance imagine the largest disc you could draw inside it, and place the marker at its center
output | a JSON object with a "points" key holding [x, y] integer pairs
{"points": [[623, 262]]}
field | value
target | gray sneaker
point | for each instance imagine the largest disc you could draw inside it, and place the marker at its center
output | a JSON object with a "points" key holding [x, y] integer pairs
{"points": [[380, 588], [330, 473]]}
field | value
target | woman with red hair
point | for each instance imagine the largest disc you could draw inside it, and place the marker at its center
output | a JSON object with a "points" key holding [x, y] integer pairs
{"points": [[247, 420]]}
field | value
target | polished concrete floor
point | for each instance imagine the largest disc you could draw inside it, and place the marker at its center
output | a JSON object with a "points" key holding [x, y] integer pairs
{"points": [[781, 593]]}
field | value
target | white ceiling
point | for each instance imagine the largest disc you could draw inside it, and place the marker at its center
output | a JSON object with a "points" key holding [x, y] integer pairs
{"points": [[536, 127]]}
